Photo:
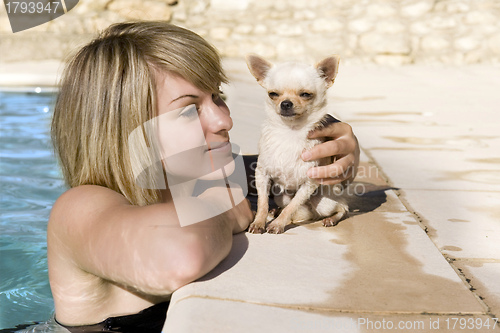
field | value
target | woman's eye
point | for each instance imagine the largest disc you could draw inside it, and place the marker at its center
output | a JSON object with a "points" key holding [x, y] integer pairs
{"points": [[273, 94], [189, 112]]}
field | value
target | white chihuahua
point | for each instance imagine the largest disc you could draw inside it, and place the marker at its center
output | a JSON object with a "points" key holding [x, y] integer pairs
{"points": [[296, 105]]}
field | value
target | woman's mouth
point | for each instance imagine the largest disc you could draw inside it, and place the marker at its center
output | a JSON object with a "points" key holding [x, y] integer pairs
{"points": [[221, 147]]}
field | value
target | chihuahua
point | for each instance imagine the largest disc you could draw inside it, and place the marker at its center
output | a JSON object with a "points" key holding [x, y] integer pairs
{"points": [[296, 105]]}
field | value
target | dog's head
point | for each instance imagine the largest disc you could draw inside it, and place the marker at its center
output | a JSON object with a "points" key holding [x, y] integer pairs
{"points": [[294, 89]]}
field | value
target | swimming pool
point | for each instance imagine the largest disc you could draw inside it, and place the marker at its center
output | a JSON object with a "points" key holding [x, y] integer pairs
{"points": [[30, 182]]}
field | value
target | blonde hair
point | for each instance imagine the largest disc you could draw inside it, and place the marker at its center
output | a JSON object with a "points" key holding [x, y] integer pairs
{"points": [[108, 89]]}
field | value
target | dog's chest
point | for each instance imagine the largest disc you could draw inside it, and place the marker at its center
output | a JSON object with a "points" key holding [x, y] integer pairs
{"points": [[280, 151]]}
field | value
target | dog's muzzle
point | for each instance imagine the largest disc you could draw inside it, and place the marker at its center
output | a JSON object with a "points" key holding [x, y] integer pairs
{"points": [[286, 108]]}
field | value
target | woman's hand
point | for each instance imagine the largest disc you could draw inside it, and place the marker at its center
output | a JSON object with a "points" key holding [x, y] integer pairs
{"points": [[343, 144]]}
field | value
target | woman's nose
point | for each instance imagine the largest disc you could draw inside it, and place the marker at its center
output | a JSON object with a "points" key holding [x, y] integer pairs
{"points": [[218, 119]]}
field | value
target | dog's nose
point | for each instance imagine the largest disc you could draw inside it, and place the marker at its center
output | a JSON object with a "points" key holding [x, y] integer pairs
{"points": [[286, 105]]}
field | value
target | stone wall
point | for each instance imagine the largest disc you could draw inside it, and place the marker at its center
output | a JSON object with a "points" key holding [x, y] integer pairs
{"points": [[380, 31]]}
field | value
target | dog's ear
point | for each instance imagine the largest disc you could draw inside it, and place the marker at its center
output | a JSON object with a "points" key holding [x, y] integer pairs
{"points": [[328, 69], [258, 66]]}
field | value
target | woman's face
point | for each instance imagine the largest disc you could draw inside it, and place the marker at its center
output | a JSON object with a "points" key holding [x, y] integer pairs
{"points": [[193, 127]]}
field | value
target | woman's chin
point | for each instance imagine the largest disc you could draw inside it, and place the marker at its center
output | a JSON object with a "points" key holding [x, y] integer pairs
{"points": [[220, 173]]}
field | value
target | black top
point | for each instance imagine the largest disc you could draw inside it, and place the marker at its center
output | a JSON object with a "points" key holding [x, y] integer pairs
{"points": [[150, 320]]}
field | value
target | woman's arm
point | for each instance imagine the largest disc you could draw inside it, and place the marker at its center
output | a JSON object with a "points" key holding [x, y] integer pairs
{"points": [[141, 248], [344, 145]]}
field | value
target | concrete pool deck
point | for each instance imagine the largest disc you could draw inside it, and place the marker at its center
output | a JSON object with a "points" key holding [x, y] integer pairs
{"points": [[421, 249]]}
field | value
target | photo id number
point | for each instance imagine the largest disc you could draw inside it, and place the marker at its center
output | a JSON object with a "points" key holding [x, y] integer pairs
{"points": [[31, 7]]}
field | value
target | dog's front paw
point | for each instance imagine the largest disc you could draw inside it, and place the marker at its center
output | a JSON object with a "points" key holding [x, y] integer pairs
{"points": [[275, 228], [257, 227]]}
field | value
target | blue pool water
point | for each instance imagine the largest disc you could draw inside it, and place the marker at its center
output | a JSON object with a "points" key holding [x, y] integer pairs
{"points": [[30, 182]]}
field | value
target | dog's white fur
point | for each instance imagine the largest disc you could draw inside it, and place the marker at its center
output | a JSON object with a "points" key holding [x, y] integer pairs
{"points": [[284, 139]]}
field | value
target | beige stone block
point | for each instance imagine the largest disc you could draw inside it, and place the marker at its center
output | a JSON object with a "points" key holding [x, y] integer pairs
{"points": [[85, 6], [442, 22], [352, 41], [229, 5], [360, 25], [262, 5], [494, 44], [30, 73], [462, 224], [320, 47], [434, 43], [304, 14], [280, 5], [467, 43], [151, 10], [301, 4], [483, 277], [220, 33], [452, 7], [72, 23], [244, 29], [474, 56], [259, 47], [355, 10], [487, 29], [385, 43], [105, 19], [231, 50], [416, 8], [381, 9], [5, 24], [198, 7], [285, 15], [419, 28], [288, 30], [326, 25], [480, 18], [289, 48], [373, 261], [180, 13], [260, 29], [392, 60], [390, 27], [195, 314]]}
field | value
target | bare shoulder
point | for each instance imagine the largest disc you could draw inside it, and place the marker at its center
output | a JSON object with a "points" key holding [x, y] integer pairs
{"points": [[84, 194], [81, 200], [78, 210]]}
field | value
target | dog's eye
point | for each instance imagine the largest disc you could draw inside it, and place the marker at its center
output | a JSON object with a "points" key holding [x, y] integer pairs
{"points": [[306, 95], [273, 94]]}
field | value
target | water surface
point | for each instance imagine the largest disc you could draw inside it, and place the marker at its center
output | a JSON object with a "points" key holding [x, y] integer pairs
{"points": [[30, 182]]}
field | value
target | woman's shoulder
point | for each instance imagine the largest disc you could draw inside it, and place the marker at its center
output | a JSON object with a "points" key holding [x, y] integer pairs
{"points": [[84, 194], [78, 202]]}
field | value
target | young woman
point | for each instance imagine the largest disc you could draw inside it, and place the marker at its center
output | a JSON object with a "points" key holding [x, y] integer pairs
{"points": [[116, 248]]}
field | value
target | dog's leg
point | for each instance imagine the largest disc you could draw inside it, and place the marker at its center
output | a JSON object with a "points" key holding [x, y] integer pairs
{"points": [[326, 204], [341, 211], [262, 182], [302, 195]]}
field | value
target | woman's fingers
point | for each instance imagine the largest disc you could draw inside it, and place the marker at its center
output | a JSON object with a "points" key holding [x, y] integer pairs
{"points": [[336, 172], [333, 131], [338, 147], [341, 144]]}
